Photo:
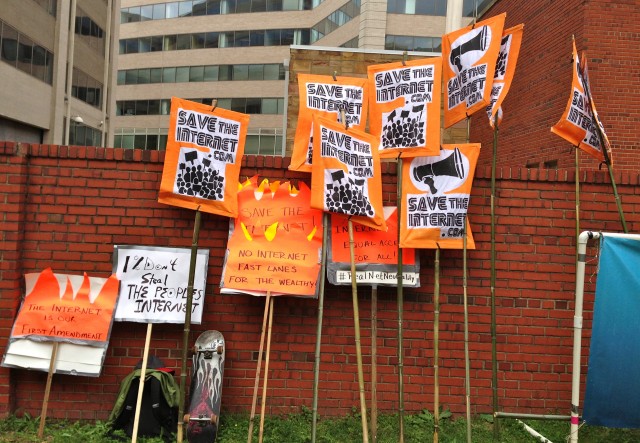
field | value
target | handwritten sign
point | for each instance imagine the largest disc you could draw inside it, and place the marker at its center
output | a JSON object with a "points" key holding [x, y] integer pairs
{"points": [[375, 254], [154, 284], [275, 243], [67, 308]]}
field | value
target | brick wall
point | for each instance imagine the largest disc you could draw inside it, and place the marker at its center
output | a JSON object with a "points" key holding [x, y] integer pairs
{"points": [[65, 208], [609, 32]]}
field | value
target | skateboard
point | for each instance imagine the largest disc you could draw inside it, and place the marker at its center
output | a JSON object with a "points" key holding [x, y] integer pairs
{"points": [[206, 388]]}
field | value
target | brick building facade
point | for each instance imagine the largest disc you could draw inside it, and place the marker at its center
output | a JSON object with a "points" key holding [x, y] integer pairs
{"points": [[609, 32], [65, 208]]}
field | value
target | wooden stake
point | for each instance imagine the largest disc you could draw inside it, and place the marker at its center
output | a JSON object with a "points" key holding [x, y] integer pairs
{"points": [[400, 301], [187, 324], [436, 346], [374, 364], [266, 374], [257, 382], [316, 368], [494, 339], [356, 321], [47, 389], [467, 376], [143, 373]]}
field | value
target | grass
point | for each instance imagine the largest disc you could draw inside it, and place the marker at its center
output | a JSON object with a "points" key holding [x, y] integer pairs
{"points": [[296, 428]]}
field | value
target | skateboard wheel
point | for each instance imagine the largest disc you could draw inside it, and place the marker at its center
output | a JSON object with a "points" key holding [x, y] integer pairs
{"points": [[220, 349]]}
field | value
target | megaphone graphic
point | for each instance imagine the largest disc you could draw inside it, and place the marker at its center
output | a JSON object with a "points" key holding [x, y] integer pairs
{"points": [[452, 166], [478, 43]]}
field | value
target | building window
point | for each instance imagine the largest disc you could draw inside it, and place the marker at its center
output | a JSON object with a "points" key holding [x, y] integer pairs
{"points": [[22, 53], [418, 7], [194, 8], [89, 31], [86, 88], [469, 7], [411, 43], [244, 105], [192, 74], [335, 20], [82, 135]]}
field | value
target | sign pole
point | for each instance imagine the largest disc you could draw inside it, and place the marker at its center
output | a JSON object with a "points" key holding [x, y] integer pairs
{"points": [[316, 369], [494, 341], [47, 390], [257, 382], [187, 324], [356, 321], [466, 316], [436, 346], [374, 363], [400, 297], [266, 373], [143, 375]]}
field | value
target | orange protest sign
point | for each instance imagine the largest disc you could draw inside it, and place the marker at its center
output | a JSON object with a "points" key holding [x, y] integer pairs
{"points": [[578, 122], [326, 95], [470, 56], [405, 105], [202, 162], [275, 243], [346, 177], [505, 70], [370, 245], [68, 308], [375, 254], [435, 198]]}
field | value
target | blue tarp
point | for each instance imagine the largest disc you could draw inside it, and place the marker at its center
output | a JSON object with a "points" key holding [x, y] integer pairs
{"points": [[612, 396]]}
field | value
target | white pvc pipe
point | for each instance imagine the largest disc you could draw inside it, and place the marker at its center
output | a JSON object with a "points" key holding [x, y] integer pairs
{"points": [[577, 330], [541, 438]]}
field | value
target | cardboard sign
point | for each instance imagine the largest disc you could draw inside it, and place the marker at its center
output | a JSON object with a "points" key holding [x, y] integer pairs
{"points": [[346, 177], [405, 107], [204, 153], [326, 95], [505, 70], [67, 308], [154, 283], [470, 56], [578, 122], [435, 198], [376, 254], [275, 243]]}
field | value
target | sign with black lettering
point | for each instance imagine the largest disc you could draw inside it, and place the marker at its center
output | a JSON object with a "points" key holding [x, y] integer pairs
{"points": [[204, 152], [154, 284]]}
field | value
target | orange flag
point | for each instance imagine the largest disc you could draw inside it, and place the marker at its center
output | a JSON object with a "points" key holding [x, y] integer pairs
{"points": [[346, 176], [275, 243], [470, 55], [505, 70], [326, 96], [435, 198], [204, 153], [68, 308], [405, 108], [578, 122]]}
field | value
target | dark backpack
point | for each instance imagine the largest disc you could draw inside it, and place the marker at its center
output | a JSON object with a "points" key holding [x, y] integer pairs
{"points": [[158, 410]]}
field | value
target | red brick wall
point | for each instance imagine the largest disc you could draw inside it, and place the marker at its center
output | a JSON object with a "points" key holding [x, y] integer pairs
{"points": [[609, 32], [65, 208]]}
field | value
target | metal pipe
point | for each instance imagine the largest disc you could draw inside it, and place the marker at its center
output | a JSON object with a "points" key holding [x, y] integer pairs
{"points": [[70, 51], [531, 416], [577, 331]]}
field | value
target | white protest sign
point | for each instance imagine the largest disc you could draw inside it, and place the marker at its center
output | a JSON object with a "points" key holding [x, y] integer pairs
{"points": [[154, 282]]}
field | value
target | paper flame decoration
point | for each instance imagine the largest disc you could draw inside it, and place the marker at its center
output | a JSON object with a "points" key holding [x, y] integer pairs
{"points": [[70, 308]]}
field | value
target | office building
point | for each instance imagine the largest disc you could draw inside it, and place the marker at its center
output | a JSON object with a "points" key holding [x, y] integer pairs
{"points": [[237, 52], [57, 85]]}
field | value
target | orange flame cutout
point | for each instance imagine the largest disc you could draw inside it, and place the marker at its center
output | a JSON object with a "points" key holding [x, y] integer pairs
{"points": [[70, 317]]}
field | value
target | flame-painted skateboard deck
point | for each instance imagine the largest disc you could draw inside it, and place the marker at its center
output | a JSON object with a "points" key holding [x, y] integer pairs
{"points": [[206, 388]]}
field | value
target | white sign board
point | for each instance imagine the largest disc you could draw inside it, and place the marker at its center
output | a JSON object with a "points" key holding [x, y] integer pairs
{"points": [[154, 281]]}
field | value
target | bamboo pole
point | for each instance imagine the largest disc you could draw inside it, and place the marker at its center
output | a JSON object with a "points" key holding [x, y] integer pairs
{"points": [[47, 389], [374, 363], [187, 324], [436, 346], [316, 368], [577, 161], [494, 340], [356, 321], [257, 382], [400, 297], [266, 374], [466, 334], [143, 374]]}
